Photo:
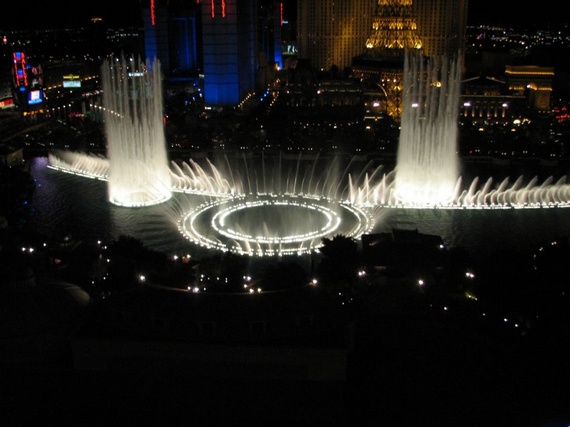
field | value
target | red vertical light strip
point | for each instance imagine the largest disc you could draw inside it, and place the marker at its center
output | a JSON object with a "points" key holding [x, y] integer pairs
{"points": [[152, 16], [212, 3], [24, 67], [281, 13], [223, 8]]}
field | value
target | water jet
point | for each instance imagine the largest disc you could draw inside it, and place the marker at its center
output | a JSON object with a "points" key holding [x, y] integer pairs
{"points": [[238, 204]]}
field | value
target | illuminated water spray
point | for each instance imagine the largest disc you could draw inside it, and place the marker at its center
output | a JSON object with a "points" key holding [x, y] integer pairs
{"points": [[139, 173], [278, 206], [427, 164]]}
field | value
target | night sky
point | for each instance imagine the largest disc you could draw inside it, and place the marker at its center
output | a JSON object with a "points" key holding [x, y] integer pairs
{"points": [[70, 12], [126, 12]]}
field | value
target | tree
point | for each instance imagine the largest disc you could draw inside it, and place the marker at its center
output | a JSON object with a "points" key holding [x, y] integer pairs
{"points": [[339, 265]]}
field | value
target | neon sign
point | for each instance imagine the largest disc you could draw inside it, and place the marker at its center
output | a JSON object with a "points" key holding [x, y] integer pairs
{"points": [[20, 66], [152, 15], [223, 7]]}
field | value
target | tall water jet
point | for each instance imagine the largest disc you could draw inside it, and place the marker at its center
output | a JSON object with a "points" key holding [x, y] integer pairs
{"points": [[139, 173], [427, 163], [285, 204]]}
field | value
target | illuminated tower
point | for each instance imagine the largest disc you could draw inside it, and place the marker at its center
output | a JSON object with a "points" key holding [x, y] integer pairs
{"points": [[230, 50], [394, 30], [333, 32]]}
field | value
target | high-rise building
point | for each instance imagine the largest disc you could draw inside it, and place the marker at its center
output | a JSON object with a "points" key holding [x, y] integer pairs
{"points": [[333, 32], [28, 84], [230, 49], [269, 30], [172, 35], [269, 21], [442, 26], [6, 85]]}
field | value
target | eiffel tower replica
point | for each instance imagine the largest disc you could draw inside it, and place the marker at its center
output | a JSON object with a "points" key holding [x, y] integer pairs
{"points": [[381, 65]]}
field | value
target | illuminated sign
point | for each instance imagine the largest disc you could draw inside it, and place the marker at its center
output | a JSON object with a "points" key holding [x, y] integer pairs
{"points": [[20, 64], [6, 103], [71, 81], [35, 97], [152, 15]]}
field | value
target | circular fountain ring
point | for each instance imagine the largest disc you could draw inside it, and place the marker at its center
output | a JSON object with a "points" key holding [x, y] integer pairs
{"points": [[249, 225]]}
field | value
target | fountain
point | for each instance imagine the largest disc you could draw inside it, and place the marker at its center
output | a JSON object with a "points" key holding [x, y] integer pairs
{"points": [[138, 165], [269, 206], [427, 162], [285, 204]]}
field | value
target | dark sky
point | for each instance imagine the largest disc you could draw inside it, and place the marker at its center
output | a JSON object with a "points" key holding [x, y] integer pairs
{"points": [[50, 13], [117, 12], [513, 13]]}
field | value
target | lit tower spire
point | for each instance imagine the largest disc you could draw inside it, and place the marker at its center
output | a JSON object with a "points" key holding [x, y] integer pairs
{"points": [[394, 28], [381, 65]]}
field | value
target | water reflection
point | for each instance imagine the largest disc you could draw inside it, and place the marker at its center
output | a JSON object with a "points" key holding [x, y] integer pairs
{"points": [[65, 203]]}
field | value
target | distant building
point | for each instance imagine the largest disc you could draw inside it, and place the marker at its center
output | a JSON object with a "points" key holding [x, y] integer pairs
{"points": [[332, 33], [532, 80], [6, 86], [269, 25], [28, 83], [524, 89], [488, 100], [230, 51], [269, 42], [442, 26], [172, 31]]}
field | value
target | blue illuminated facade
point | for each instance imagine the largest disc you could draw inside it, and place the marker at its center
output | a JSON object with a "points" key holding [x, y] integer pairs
{"points": [[171, 35], [229, 50], [235, 45]]}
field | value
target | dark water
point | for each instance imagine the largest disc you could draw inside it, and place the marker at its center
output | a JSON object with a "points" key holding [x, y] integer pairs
{"points": [[66, 203]]}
